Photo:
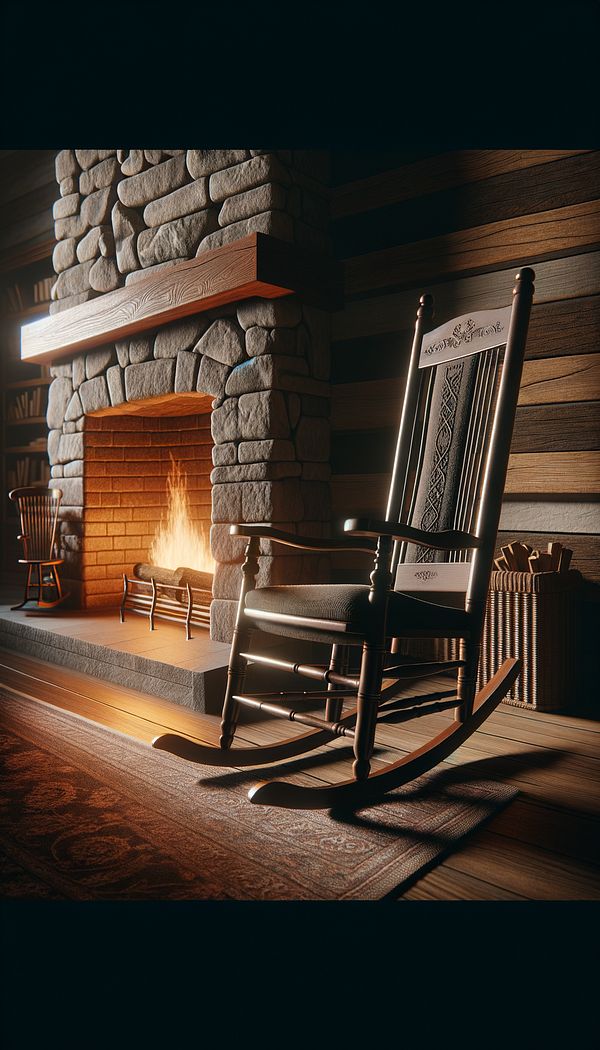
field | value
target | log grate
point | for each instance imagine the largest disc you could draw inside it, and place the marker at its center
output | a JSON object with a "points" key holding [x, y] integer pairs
{"points": [[168, 595]]}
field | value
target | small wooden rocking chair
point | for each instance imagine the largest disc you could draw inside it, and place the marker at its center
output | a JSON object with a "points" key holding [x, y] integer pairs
{"points": [[38, 510], [433, 558]]}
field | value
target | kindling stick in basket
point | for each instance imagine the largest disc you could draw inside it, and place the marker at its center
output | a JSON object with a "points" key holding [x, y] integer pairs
{"points": [[520, 557]]}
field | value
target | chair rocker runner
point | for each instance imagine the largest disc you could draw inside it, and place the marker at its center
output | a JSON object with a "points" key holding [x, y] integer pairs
{"points": [[38, 511], [433, 555]]}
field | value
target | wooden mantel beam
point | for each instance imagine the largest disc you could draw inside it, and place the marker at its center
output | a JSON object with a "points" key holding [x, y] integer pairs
{"points": [[256, 265]]}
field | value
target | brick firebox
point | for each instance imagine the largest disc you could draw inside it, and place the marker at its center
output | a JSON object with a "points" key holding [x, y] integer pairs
{"points": [[128, 459]]}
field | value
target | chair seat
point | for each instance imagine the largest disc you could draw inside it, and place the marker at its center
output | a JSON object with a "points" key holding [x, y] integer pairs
{"points": [[349, 604]]}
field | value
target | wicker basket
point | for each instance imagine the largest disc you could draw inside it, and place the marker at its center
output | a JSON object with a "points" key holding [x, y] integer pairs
{"points": [[531, 615]]}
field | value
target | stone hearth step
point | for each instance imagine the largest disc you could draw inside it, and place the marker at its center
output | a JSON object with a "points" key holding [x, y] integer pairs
{"points": [[160, 662]]}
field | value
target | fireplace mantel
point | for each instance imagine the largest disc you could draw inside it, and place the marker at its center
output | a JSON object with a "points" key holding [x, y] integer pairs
{"points": [[255, 266]]}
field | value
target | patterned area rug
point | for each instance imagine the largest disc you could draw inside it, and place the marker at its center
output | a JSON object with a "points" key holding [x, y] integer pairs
{"points": [[90, 814]]}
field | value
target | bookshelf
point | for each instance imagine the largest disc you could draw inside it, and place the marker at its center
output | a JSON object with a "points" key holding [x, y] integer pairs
{"points": [[24, 296]]}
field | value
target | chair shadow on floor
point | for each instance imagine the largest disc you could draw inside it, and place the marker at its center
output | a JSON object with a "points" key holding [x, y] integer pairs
{"points": [[492, 768], [299, 765], [499, 768]]}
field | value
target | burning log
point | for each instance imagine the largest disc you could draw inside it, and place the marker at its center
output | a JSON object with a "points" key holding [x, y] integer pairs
{"points": [[203, 581]]}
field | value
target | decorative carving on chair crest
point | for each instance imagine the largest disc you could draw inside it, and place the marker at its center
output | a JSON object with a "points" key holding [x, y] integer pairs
{"points": [[464, 333], [425, 574]]}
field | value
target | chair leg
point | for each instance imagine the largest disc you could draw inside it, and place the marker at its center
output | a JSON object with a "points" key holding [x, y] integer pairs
{"points": [[369, 692], [236, 674], [27, 587], [236, 671], [59, 592], [334, 704]]}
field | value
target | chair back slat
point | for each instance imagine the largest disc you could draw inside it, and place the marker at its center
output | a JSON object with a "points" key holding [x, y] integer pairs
{"points": [[496, 464], [486, 387], [407, 433], [414, 464], [38, 511]]}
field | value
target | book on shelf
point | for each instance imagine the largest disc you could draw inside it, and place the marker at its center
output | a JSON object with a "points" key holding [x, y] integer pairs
{"points": [[26, 405], [42, 290], [15, 298]]}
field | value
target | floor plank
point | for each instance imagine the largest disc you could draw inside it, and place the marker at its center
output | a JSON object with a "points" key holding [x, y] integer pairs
{"points": [[530, 871], [444, 884], [571, 834]]}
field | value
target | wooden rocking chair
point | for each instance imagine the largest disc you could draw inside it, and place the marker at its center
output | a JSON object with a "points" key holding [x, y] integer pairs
{"points": [[38, 511], [433, 558]]}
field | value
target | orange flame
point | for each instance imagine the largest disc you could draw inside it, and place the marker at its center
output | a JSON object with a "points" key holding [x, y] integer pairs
{"points": [[178, 541]]}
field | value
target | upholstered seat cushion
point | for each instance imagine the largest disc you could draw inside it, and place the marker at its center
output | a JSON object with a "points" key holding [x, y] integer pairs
{"points": [[349, 603]]}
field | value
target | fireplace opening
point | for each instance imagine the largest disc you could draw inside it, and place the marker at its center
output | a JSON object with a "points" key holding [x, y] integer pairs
{"points": [[177, 584], [147, 502]]}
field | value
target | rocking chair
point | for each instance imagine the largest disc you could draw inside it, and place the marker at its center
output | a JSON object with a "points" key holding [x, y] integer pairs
{"points": [[38, 511], [433, 558]]}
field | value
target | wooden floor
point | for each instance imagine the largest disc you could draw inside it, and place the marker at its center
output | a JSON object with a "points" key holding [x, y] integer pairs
{"points": [[543, 846]]}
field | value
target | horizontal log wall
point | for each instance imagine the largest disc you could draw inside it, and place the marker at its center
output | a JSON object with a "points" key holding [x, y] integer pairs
{"points": [[460, 225], [27, 192]]}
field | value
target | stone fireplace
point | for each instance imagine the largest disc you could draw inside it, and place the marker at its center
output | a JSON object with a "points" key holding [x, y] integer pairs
{"points": [[237, 395]]}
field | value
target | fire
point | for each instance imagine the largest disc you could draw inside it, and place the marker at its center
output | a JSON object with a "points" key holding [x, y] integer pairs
{"points": [[178, 542]]}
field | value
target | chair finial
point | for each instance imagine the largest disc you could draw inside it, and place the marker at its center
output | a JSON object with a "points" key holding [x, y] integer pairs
{"points": [[425, 305], [524, 277]]}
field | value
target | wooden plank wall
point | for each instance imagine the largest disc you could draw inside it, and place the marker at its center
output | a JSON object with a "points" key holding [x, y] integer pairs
{"points": [[28, 190], [460, 225]]}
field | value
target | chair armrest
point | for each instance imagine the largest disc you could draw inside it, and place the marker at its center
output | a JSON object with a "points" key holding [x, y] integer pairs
{"points": [[441, 541], [310, 543]]}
